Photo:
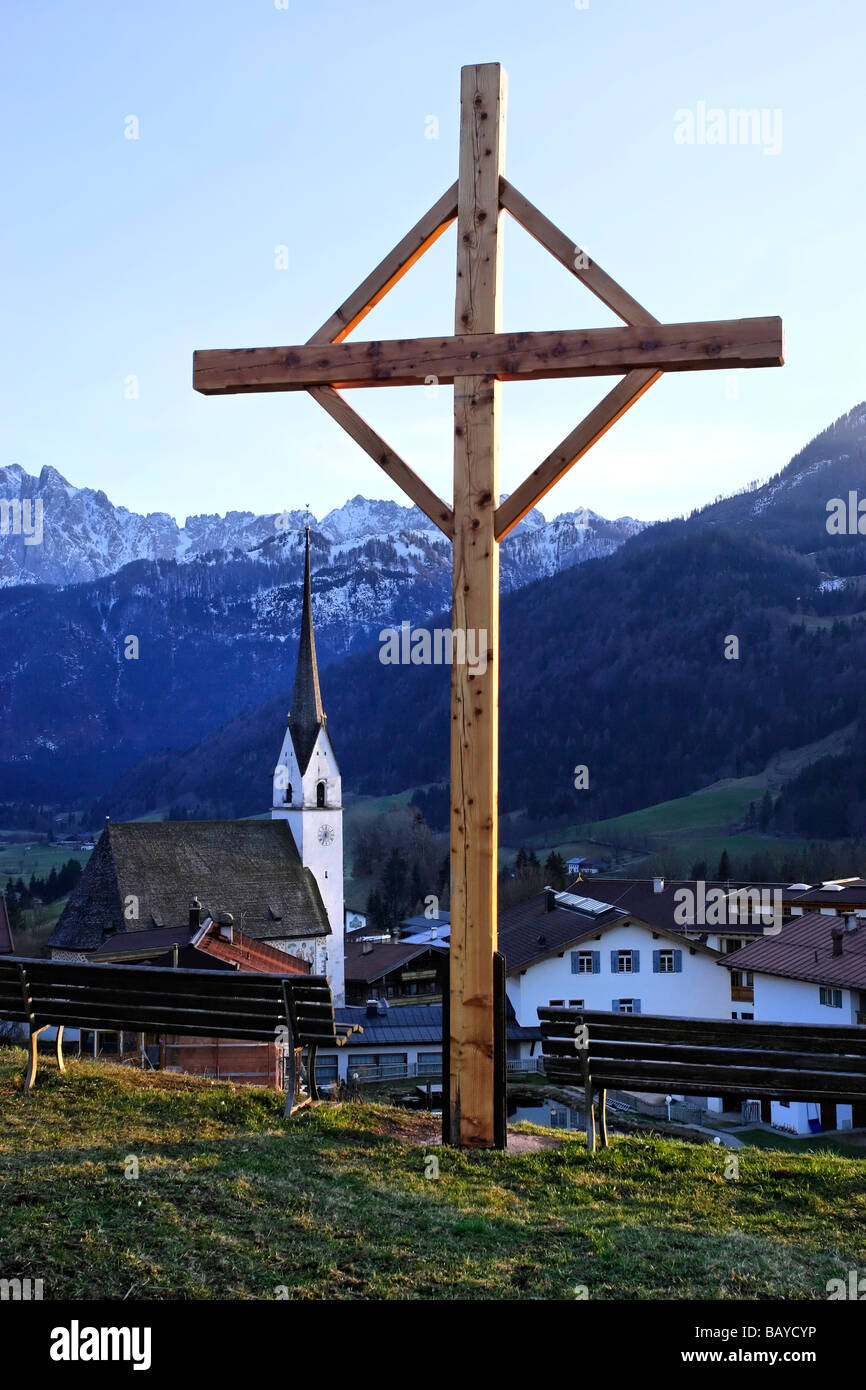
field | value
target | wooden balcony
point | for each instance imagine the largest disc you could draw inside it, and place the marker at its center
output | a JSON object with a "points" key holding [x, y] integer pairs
{"points": [[742, 994]]}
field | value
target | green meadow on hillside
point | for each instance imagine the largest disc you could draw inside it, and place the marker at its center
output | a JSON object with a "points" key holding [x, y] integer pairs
{"points": [[232, 1201]]}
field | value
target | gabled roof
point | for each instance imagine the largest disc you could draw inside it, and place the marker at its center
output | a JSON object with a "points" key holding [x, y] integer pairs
{"points": [[306, 716], [381, 957], [199, 948], [250, 868], [639, 897], [803, 950], [532, 930]]}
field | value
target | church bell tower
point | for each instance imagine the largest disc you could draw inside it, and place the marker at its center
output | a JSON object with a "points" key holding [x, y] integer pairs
{"points": [[307, 792]]}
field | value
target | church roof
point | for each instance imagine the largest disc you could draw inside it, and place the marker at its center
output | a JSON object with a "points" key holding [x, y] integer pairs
{"points": [[306, 716], [250, 868]]}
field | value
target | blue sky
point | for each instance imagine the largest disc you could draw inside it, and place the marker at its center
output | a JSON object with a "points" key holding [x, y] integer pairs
{"points": [[305, 127]]}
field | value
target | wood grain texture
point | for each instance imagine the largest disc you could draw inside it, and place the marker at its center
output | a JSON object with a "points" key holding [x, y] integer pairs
{"points": [[671, 347], [475, 696]]}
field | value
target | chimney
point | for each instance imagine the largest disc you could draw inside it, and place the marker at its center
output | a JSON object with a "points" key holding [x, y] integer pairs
{"points": [[366, 948], [195, 913], [372, 1008], [549, 899], [852, 921], [658, 885], [225, 926], [837, 934]]}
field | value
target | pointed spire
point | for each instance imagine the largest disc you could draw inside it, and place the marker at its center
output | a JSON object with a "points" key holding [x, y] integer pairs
{"points": [[306, 716]]}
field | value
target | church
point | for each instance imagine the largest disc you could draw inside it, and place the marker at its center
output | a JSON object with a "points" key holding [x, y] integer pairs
{"points": [[279, 881]]}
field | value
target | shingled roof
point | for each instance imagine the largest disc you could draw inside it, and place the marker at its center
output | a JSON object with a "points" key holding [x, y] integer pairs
{"points": [[306, 716], [250, 868]]}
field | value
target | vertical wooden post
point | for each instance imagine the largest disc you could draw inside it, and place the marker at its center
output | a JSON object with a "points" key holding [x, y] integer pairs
{"points": [[475, 613], [602, 1117]]}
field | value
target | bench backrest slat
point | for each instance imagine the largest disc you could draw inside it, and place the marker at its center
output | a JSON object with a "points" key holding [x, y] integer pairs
{"points": [[705, 1057], [153, 999]]}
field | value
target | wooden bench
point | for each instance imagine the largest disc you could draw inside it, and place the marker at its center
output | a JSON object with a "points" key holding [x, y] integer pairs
{"points": [[701, 1057], [296, 1012]]}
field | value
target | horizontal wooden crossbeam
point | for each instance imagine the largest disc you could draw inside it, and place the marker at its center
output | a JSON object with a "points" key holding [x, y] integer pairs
{"points": [[503, 356]]}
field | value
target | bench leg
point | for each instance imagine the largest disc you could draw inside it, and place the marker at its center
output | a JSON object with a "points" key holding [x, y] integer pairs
{"points": [[602, 1117], [60, 1062], [311, 1071], [32, 1061], [590, 1117], [291, 1077]]}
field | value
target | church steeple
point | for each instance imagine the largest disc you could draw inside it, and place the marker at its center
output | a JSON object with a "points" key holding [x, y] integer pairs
{"points": [[306, 716], [307, 795]]}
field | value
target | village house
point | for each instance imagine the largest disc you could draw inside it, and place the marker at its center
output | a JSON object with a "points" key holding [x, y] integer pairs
{"points": [[813, 971], [394, 970], [581, 952]]}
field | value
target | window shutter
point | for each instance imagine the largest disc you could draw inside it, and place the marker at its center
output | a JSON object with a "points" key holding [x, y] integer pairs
{"points": [[596, 962], [635, 962], [614, 962], [614, 1005], [657, 955], [635, 1006], [575, 963], [678, 961]]}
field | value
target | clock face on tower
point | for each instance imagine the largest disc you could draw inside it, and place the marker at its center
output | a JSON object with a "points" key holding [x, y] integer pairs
{"points": [[326, 834]]}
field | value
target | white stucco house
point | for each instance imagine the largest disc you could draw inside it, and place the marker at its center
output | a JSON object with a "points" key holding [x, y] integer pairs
{"points": [[813, 971], [597, 953]]}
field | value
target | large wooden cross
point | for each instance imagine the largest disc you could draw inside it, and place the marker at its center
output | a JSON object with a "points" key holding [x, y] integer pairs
{"points": [[476, 359]]}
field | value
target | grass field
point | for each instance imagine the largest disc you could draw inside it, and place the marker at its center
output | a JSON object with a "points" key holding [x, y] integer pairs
{"points": [[234, 1202], [22, 860]]}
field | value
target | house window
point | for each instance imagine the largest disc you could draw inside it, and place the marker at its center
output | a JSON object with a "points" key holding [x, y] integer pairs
{"points": [[831, 997], [585, 962], [575, 1003], [429, 1063], [747, 1016], [742, 979], [375, 1066], [666, 962], [287, 795], [732, 943], [625, 962], [320, 793], [326, 1069], [556, 1003], [628, 1006]]}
